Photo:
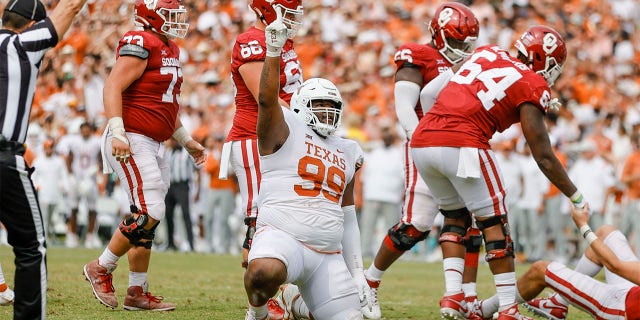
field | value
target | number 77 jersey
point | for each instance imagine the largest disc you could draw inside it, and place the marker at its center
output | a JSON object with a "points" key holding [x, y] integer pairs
{"points": [[483, 97], [303, 184], [150, 104]]}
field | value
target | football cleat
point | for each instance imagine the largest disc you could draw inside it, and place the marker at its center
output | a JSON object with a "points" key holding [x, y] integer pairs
{"points": [[139, 298], [549, 308], [7, 297], [101, 279], [276, 311], [512, 313], [454, 307], [371, 309], [288, 296]]}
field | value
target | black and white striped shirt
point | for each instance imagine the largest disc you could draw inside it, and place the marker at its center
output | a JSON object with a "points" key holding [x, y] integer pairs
{"points": [[20, 59], [181, 164]]}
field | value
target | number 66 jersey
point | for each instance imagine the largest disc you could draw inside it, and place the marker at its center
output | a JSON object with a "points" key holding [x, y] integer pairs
{"points": [[303, 184]]}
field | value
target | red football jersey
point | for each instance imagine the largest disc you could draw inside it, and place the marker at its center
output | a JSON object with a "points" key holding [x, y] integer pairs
{"points": [[631, 303], [150, 104], [250, 46], [481, 98], [426, 58]]}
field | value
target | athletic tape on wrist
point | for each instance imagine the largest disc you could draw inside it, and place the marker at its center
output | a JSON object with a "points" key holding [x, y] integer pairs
{"points": [[182, 136]]}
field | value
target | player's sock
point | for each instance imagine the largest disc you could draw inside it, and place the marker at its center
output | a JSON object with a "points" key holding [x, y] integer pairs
{"points": [[261, 311], [374, 273], [469, 289], [587, 267], [453, 268], [107, 258], [506, 288], [137, 278]]}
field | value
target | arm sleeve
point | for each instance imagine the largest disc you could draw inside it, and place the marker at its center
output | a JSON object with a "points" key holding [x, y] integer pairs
{"points": [[351, 248], [406, 95], [430, 92]]}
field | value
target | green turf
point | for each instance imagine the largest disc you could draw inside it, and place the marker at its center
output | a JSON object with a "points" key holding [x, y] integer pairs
{"points": [[210, 287]]}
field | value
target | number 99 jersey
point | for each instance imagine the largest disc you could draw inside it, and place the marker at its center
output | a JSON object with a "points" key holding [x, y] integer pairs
{"points": [[303, 183], [150, 104]]}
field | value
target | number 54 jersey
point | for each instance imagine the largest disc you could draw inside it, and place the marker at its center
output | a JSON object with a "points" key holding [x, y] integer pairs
{"points": [[303, 183], [483, 97]]}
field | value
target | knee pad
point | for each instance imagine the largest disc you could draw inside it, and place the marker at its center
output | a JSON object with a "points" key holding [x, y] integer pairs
{"points": [[405, 236], [497, 249], [133, 229], [452, 233], [473, 240]]}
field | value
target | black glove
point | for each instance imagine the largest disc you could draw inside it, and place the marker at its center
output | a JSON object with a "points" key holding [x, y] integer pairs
{"points": [[251, 229]]}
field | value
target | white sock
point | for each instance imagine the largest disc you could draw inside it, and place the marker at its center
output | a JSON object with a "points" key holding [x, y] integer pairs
{"points": [[2, 280], [506, 288], [107, 258], [587, 267], [469, 289], [561, 299], [137, 278], [373, 273], [261, 311], [453, 268]]}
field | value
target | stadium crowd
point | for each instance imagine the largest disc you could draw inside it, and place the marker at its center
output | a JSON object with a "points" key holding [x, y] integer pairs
{"points": [[352, 43]]}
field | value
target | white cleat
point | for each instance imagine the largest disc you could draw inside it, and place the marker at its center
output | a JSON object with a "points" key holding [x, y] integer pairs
{"points": [[7, 297]]}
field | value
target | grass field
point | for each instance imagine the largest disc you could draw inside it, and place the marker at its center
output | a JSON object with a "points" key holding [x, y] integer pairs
{"points": [[210, 287]]}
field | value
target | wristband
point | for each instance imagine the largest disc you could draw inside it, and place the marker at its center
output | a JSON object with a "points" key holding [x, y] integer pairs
{"points": [[584, 229], [182, 136], [116, 125], [578, 200], [590, 237]]}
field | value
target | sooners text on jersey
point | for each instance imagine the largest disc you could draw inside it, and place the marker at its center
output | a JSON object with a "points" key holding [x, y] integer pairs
{"points": [[482, 97], [150, 104]]}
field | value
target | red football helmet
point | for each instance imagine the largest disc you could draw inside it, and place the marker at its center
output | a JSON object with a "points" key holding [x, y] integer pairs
{"points": [[454, 30], [292, 11], [162, 16], [543, 50]]}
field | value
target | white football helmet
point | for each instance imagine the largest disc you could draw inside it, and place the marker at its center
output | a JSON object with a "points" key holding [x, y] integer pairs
{"points": [[323, 120]]}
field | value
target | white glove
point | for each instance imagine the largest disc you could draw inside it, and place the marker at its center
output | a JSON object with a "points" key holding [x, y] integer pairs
{"points": [[364, 292], [555, 104], [276, 35]]}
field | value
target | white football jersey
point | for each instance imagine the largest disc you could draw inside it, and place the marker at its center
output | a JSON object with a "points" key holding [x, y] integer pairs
{"points": [[303, 182], [85, 155]]}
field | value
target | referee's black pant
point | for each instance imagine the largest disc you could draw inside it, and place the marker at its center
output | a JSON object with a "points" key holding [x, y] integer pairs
{"points": [[20, 214], [178, 194]]}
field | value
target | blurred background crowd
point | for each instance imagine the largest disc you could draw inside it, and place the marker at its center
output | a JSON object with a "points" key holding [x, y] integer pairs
{"points": [[352, 43]]}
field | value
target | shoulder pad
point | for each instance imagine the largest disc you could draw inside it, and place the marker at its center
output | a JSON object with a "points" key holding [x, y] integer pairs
{"points": [[134, 50]]}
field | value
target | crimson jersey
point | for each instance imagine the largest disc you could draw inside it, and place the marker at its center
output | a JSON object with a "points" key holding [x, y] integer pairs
{"points": [[426, 58], [631, 303], [250, 46], [481, 98], [150, 104]]}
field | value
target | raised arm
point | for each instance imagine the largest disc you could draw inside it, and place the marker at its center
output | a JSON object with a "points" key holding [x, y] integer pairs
{"points": [[535, 132], [272, 130], [63, 15]]}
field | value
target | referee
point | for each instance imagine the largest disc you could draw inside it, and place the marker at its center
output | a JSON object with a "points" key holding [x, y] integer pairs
{"points": [[26, 34]]}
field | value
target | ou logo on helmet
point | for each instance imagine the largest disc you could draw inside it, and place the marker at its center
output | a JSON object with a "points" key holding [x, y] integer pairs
{"points": [[549, 43], [151, 4], [445, 16]]}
